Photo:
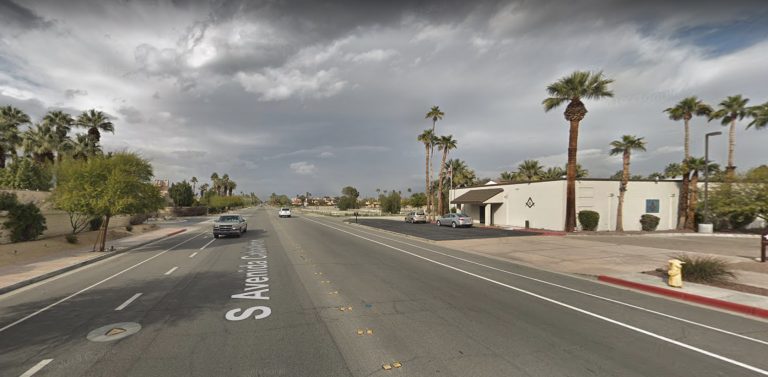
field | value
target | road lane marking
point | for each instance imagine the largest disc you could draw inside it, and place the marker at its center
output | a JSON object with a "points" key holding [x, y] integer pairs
{"points": [[6, 327], [171, 270], [128, 302], [193, 254], [651, 311], [567, 306], [206, 245], [36, 368]]}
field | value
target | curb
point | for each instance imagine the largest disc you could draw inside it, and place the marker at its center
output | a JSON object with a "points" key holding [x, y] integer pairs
{"points": [[721, 304], [75, 266]]}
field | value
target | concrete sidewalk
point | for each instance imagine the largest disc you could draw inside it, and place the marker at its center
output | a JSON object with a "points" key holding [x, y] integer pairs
{"points": [[18, 275]]}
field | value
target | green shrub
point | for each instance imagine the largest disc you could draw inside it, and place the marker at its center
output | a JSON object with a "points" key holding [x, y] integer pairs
{"points": [[704, 269], [71, 238], [649, 223], [139, 218], [25, 174], [740, 220], [25, 222], [95, 223], [129, 228], [589, 220], [8, 200]]}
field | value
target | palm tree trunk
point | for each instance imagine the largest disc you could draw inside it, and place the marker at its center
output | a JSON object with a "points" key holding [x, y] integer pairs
{"points": [[431, 172], [441, 176], [682, 205], [570, 192], [730, 170], [687, 143], [426, 178], [622, 190], [694, 198]]}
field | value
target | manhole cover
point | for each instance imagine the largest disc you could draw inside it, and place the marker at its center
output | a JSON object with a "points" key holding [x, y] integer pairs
{"points": [[114, 331]]}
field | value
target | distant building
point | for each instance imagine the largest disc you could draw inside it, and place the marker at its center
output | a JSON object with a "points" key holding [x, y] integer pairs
{"points": [[163, 185]]}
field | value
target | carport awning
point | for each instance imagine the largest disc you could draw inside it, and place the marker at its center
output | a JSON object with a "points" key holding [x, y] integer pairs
{"points": [[476, 196]]}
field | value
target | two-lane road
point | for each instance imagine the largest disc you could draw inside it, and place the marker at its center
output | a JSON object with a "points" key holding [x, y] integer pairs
{"points": [[312, 296]]}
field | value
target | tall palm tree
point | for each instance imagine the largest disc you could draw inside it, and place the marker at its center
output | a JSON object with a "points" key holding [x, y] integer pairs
{"points": [[572, 89], [685, 110], [530, 170], [39, 143], [624, 147], [508, 176], [215, 182], [435, 114], [82, 147], [696, 166], [203, 188], [232, 186], [759, 116], [446, 144], [224, 184], [672, 170], [95, 122], [60, 121], [11, 119], [554, 172], [463, 176], [194, 184], [580, 171], [428, 139], [730, 110]]}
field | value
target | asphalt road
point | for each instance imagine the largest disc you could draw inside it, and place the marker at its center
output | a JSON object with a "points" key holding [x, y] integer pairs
{"points": [[443, 233], [433, 310]]}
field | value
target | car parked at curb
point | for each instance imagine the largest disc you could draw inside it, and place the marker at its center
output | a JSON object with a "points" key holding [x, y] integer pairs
{"points": [[229, 225], [416, 217], [455, 220], [284, 212]]}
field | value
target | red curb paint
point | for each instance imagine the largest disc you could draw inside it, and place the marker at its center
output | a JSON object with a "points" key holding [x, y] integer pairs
{"points": [[727, 305]]}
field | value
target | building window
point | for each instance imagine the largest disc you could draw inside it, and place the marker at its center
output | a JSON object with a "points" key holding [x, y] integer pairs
{"points": [[652, 206]]}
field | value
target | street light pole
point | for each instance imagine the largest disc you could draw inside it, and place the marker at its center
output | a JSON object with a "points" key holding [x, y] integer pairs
{"points": [[706, 174]]}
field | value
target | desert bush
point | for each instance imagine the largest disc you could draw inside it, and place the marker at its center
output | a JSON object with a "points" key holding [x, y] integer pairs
{"points": [[649, 223], [589, 220], [705, 269], [25, 222], [71, 238], [139, 218]]}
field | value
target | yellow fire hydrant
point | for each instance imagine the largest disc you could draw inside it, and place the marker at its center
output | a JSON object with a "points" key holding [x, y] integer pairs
{"points": [[675, 273]]}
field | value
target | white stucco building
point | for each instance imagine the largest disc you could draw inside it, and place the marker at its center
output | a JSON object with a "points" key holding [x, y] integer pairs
{"points": [[542, 204]]}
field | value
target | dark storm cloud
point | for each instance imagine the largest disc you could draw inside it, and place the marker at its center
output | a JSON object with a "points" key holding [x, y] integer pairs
{"points": [[71, 93], [20, 17], [131, 114]]}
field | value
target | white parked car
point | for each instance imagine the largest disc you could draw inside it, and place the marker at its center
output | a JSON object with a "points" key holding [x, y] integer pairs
{"points": [[455, 220], [284, 212]]}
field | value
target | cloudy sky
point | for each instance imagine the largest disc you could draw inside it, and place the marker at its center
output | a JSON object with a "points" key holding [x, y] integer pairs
{"points": [[295, 96]]}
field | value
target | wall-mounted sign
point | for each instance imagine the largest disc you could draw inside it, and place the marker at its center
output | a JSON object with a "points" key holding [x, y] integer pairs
{"points": [[652, 206], [530, 203]]}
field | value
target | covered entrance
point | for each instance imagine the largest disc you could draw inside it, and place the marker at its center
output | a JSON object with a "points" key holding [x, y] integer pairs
{"points": [[480, 204]]}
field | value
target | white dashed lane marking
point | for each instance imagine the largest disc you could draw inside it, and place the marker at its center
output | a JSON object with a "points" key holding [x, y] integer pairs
{"points": [[36, 368], [128, 302], [171, 270]]}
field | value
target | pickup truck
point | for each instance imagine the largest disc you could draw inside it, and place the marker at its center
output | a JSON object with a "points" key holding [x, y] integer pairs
{"points": [[227, 225]]}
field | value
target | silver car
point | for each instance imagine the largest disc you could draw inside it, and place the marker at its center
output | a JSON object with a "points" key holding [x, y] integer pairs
{"points": [[416, 217], [455, 220]]}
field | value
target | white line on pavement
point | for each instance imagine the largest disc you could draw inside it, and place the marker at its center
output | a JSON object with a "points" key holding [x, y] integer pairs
{"points": [[6, 327], [193, 254], [763, 342], [562, 304], [36, 368], [171, 270], [206, 245], [127, 302]]}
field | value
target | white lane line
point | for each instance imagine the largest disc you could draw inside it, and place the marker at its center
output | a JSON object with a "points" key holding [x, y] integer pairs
{"points": [[171, 270], [567, 306], [128, 302], [6, 327], [193, 254], [206, 245], [36, 368], [708, 327]]}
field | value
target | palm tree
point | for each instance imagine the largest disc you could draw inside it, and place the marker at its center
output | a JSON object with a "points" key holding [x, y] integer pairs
{"points": [[39, 143], [656, 176], [625, 146], [730, 110], [573, 89], [673, 170], [446, 144], [463, 176], [232, 187], [60, 121], [428, 139], [203, 188], [508, 176], [531, 170], [194, 184], [82, 148], [553, 173], [95, 122], [580, 171], [435, 114], [696, 166], [224, 184], [685, 111], [10, 120], [215, 182], [759, 116]]}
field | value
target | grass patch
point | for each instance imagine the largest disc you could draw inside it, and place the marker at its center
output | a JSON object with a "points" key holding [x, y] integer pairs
{"points": [[704, 269]]}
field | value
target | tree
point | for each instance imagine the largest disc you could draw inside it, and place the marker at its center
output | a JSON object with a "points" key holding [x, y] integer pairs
{"points": [[446, 144], [435, 114], [747, 195], [25, 174], [106, 186], [530, 170], [25, 222], [390, 203], [617, 176], [463, 176], [10, 120], [696, 165], [508, 176], [203, 188], [194, 184], [553, 173], [418, 199], [673, 170], [730, 110], [215, 182], [428, 139], [656, 176], [182, 194], [39, 143], [82, 148], [759, 116], [580, 171], [349, 198], [572, 89], [624, 147], [95, 122]]}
